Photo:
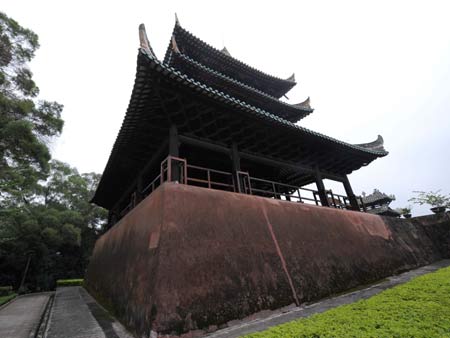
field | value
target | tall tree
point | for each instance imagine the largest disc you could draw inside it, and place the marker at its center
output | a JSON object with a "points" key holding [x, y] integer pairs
{"points": [[26, 123], [47, 225]]}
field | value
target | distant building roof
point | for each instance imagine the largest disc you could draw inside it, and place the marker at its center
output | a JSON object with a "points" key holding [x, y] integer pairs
{"points": [[384, 210], [377, 198]]}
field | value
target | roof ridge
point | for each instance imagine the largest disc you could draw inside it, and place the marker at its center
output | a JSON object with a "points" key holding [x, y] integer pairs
{"points": [[256, 109], [230, 58]]}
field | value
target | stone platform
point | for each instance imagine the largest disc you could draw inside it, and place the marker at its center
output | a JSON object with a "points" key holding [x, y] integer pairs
{"points": [[189, 260]]}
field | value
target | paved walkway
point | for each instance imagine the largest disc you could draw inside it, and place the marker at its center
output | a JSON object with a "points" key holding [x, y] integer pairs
{"points": [[70, 316], [20, 318], [75, 314], [282, 316]]}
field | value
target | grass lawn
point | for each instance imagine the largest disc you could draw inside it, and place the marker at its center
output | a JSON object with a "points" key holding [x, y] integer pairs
{"points": [[4, 299], [419, 308]]}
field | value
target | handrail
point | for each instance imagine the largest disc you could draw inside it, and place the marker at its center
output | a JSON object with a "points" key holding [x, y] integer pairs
{"points": [[152, 184], [244, 184], [208, 181]]}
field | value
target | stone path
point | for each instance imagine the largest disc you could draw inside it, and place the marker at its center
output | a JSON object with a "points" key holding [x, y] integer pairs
{"points": [[21, 317], [282, 316], [76, 315]]}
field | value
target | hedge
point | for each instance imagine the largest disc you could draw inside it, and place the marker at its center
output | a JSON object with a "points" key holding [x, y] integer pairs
{"points": [[5, 290], [70, 282]]}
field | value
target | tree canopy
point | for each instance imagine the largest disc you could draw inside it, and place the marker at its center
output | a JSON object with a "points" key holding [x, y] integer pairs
{"points": [[45, 215], [26, 122]]}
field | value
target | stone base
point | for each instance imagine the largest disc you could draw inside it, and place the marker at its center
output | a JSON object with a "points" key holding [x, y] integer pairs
{"points": [[188, 260]]}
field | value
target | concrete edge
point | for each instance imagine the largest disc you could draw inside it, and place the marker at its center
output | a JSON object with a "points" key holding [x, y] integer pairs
{"points": [[118, 327]]}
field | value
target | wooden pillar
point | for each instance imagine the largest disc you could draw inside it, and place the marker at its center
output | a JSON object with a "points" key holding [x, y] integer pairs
{"points": [[139, 188], [351, 196], [174, 151], [236, 166], [321, 189]]}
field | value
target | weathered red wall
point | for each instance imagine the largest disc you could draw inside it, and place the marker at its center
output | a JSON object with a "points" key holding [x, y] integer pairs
{"points": [[188, 258]]}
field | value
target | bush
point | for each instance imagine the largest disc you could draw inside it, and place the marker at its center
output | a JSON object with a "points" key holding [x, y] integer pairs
{"points": [[70, 282], [5, 290]]}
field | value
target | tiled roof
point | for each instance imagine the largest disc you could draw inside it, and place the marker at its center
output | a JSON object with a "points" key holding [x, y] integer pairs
{"points": [[261, 113], [377, 197], [384, 210], [212, 57], [292, 113]]}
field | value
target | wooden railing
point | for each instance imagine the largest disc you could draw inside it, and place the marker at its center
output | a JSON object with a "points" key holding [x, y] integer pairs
{"points": [[177, 169], [284, 191], [209, 178]]}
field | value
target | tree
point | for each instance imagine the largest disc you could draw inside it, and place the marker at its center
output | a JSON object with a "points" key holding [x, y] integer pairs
{"points": [[47, 225], [433, 198], [58, 229], [26, 123]]}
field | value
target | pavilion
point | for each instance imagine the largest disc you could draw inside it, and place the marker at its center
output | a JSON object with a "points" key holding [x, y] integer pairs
{"points": [[201, 117]]}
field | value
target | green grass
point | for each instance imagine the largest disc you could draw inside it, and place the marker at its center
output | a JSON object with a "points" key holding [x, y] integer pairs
{"points": [[70, 282], [5, 299], [419, 308]]}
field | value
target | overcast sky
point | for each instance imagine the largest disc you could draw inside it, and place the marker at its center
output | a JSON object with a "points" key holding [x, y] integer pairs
{"points": [[379, 67]]}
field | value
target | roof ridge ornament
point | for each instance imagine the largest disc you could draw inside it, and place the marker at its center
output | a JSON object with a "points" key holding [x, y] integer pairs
{"points": [[291, 78], [177, 22], [225, 51], [377, 145], [145, 44], [174, 45], [305, 104]]}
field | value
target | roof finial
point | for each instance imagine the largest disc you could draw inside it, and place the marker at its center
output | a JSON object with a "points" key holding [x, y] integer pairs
{"points": [[174, 45], [291, 78], [145, 44], [177, 22], [225, 51]]}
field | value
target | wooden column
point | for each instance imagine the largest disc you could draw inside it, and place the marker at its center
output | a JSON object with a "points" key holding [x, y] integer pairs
{"points": [[139, 188], [321, 189], [174, 150], [236, 166], [351, 196]]}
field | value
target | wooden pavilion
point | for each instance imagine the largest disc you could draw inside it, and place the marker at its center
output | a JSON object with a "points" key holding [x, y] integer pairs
{"points": [[204, 118]]}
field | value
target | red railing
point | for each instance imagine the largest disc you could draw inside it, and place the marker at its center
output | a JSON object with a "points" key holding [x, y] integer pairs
{"points": [[177, 169]]}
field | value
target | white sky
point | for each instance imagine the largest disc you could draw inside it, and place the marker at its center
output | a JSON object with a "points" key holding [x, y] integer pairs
{"points": [[379, 67]]}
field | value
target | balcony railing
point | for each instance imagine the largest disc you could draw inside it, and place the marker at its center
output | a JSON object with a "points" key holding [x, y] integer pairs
{"points": [[177, 169]]}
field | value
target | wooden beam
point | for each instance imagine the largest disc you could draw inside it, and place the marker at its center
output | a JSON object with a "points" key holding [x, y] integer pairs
{"points": [[174, 150], [155, 159], [351, 196], [256, 158], [236, 166], [321, 189]]}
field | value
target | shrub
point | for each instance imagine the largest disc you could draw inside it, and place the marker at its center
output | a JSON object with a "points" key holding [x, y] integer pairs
{"points": [[70, 282], [5, 290]]}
